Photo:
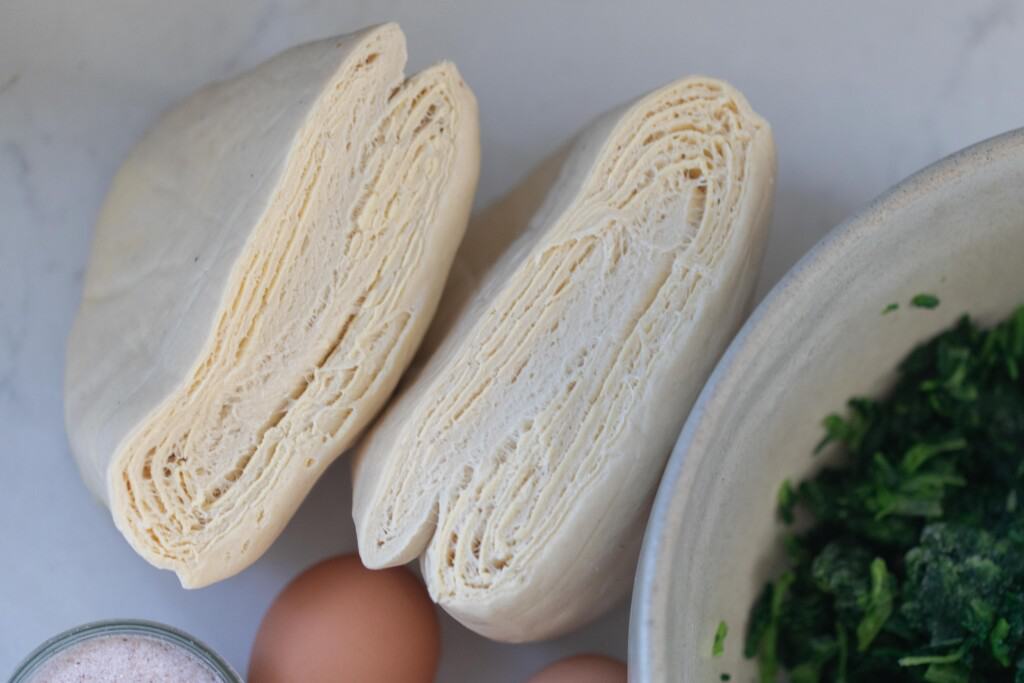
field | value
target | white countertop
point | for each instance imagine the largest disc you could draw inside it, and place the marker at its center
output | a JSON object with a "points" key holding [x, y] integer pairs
{"points": [[858, 98]]}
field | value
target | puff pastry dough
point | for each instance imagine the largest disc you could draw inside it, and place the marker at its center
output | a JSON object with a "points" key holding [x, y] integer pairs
{"points": [[520, 464], [265, 265]]}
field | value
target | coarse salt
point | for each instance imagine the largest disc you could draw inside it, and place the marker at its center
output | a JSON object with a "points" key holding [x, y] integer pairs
{"points": [[124, 659]]}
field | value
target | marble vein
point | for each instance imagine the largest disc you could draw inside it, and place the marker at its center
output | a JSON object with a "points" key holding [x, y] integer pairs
{"points": [[22, 172], [980, 25], [983, 23], [9, 83]]}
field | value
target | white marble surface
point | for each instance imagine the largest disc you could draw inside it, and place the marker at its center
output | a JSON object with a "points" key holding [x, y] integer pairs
{"points": [[858, 96]]}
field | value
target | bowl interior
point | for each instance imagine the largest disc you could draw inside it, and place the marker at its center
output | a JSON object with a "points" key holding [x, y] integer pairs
{"points": [[955, 230]]}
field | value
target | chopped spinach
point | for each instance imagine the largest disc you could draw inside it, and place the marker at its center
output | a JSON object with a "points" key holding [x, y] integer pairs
{"points": [[718, 647], [912, 568], [925, 301]]}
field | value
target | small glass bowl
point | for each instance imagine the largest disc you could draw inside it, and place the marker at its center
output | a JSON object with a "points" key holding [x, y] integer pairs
{"points": [[149, 629]]}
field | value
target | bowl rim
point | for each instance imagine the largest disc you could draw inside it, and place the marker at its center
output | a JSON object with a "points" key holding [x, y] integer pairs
{"points": [[651, 583]]}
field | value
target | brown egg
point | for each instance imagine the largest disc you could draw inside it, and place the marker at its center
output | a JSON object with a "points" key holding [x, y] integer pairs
{"points": [[339, 622], [583, 669]]}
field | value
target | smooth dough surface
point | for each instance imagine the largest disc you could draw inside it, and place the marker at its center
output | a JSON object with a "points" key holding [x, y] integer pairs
{"points": [[264, 267], [520, 463]]}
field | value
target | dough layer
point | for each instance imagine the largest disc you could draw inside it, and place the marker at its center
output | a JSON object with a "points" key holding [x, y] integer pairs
{"points": [[520, 464], [327, 292]]}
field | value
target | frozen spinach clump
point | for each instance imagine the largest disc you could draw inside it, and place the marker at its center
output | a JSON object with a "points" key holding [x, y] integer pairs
{"points": [[912, 568]]}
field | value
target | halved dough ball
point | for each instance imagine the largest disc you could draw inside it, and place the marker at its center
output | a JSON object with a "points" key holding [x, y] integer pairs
{"points": [[521, 463], [265, 266]]}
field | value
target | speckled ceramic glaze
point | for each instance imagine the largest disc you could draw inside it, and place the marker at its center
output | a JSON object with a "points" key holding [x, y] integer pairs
{"points": [[956, 229]]}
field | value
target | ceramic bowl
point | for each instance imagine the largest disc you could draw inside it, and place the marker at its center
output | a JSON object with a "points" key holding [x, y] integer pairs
{"points": [[956, 230]]}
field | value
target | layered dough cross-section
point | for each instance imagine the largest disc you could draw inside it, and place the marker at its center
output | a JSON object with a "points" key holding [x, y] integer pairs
{"points": [[521, 462], [264, 268]]}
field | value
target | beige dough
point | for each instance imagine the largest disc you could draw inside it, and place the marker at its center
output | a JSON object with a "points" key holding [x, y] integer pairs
{"points": [[264, 267], [520, 464]]}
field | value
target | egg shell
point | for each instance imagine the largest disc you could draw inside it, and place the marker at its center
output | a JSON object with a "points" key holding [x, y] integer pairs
{"points": [[339, 622], [583, 669]]}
